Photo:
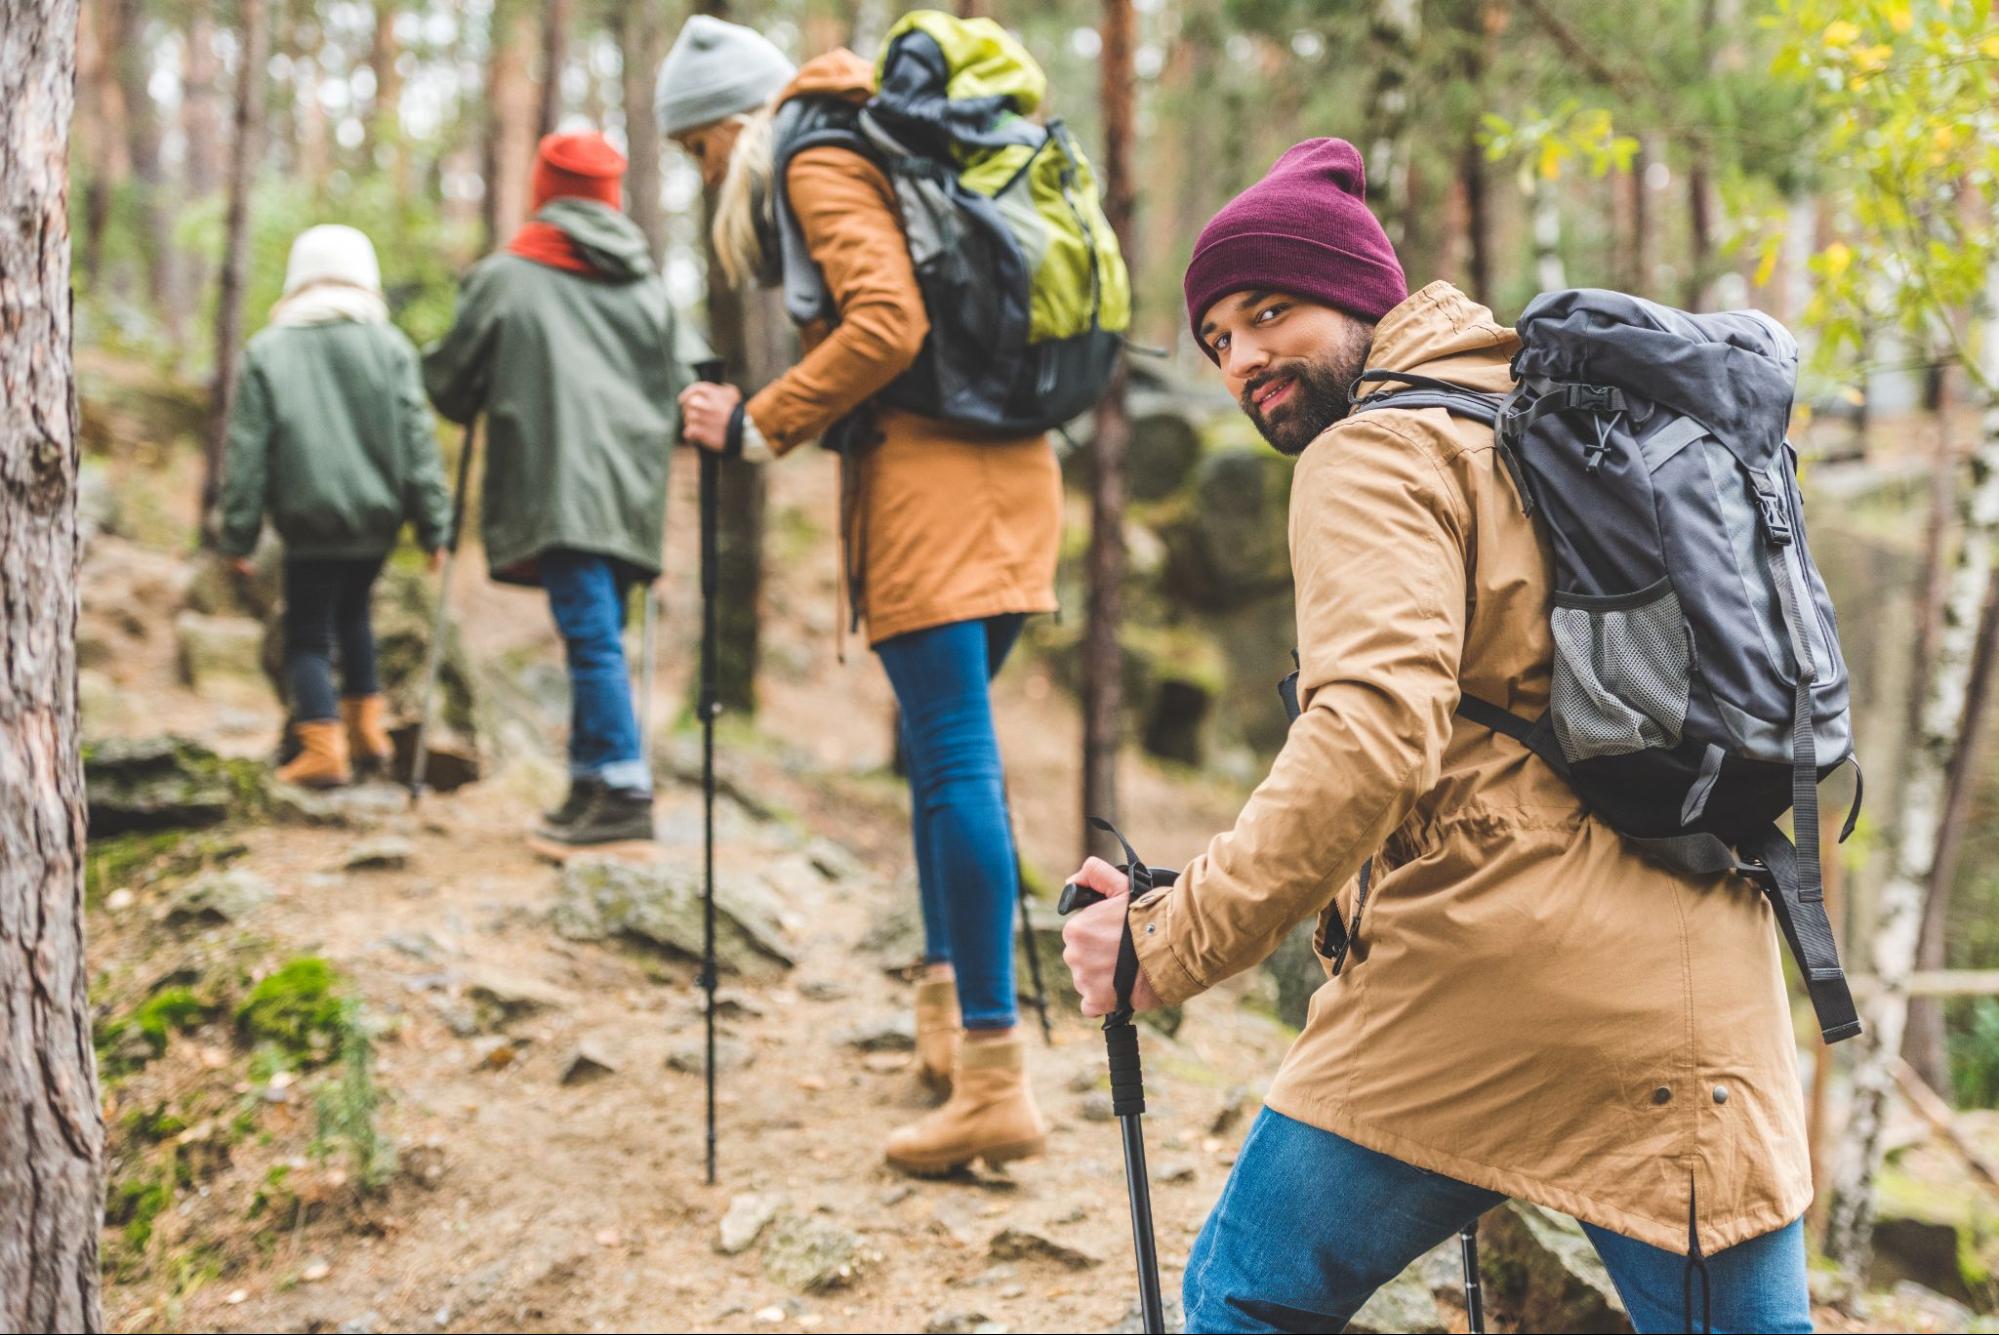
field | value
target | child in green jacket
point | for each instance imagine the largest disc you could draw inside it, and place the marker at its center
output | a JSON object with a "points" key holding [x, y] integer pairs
{"points": [[331, 437]]}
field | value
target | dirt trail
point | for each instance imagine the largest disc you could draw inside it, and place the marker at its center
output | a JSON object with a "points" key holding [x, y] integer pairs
{"points": [[523, 1202]]}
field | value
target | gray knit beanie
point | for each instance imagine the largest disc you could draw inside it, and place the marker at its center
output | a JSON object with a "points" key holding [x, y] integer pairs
{"points": [[716, 70]]}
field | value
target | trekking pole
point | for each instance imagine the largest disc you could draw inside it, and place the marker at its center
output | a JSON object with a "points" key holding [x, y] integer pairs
{"points": [[1127, 1079], [1474, 1295], [433, 659], [711, 371]]}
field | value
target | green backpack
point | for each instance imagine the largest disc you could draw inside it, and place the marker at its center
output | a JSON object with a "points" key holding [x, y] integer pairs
{"points": [[1022, 279]]}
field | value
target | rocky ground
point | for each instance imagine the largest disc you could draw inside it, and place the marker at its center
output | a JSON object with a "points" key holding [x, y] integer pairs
{"points": [[369, 1069]]}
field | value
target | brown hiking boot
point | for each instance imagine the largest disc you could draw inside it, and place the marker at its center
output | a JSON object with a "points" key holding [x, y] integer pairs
{"points": [[990, 1115], [366, 717], [322, 757], [939, 1029]]}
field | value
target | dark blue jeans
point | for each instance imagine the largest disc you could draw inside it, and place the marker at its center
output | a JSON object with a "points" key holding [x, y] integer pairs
{"points": [[326, 610], [588, 594], [1311, 1224], [964, 845]]}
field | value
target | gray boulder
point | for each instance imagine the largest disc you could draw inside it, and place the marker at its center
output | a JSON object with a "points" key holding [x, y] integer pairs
{"points": [[218, 898], [658, 904], [1403, 1304], [1539, 1267], [159, 783], [810, 1254]]}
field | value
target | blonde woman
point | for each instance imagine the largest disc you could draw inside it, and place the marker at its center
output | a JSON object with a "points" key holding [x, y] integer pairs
{"points": [[950, 538]]}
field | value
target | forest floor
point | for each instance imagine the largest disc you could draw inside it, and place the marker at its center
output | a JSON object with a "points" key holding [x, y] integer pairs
{"points": [[519, 1201], [499, 1126]]}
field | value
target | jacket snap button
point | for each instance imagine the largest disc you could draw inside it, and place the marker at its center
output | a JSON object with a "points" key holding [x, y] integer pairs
{"points": [[1721, 1093], [1662, 1095], [1151, 927]]}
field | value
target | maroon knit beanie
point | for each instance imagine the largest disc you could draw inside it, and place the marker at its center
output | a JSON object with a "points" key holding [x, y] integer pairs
{"points": [[1304, 229]]}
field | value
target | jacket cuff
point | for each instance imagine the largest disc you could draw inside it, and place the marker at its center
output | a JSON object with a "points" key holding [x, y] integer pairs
{"points": [[756, 449], [1151, 917]]}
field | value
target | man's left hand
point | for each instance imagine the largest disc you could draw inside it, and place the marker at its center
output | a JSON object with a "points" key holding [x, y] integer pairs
{"points": [[1090, 940], [705, 409]]}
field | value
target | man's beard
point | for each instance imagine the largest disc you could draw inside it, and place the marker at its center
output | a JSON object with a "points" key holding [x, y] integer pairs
{"points": [[1318, 397]]}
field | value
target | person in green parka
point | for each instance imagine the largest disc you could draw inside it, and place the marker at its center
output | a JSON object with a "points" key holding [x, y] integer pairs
{"points": [[330, 436], [567, 343]]}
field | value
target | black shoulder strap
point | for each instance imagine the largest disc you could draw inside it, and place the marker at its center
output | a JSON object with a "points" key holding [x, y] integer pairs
{"points": [[1537, 735], [1800, 909], [1428, 392]]}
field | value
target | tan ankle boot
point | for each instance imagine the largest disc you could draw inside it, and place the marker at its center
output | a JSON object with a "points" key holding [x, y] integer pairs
{"points": [[322, 757], [366, 717], [990, 1115], [939, 1029]]}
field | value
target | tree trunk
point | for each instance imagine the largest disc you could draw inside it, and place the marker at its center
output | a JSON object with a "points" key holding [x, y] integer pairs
{"points": [[315, 140], [641, 40], [1919, 828], [51, 1125], [130, 60], [512, 105], [1102, 657], [384, 124], [99, 129], [1393, 28], [1925, 1046], [245, 151], [201, 104], [554, 55]]}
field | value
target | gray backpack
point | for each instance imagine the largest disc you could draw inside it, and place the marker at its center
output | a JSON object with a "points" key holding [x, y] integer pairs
{"points": [[1699, 690]]}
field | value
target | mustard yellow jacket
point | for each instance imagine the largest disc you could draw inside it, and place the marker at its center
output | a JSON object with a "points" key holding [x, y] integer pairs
{"points": [[1530, 1007]]}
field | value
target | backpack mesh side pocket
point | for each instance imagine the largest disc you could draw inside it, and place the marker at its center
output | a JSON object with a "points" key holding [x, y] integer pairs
{"points": [[1623, 673]]}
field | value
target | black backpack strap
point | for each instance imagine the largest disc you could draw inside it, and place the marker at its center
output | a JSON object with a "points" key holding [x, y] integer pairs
{"points": [[1537, 735], [1429, 392], [1800, 909]]}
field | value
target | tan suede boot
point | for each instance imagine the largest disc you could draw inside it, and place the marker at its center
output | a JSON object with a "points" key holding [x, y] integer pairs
{"points": [[366, 717], [322, 757], [990, 1115], [939, 1030]]}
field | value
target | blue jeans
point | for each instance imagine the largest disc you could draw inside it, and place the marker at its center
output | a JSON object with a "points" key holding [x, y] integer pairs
{"points": [[965, 863], [588, 594], [1311, 1224], [327, 609]]}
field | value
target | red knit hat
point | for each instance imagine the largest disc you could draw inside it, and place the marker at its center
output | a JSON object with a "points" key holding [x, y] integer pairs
{"points": [[584, 165], [1305, 229]]}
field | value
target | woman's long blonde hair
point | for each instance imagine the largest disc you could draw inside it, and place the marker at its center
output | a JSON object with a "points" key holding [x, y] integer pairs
{"points": [[745, 193]]}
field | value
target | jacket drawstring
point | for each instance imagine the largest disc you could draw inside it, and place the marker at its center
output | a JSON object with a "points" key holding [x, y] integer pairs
{"points": [[1695, 1262]]}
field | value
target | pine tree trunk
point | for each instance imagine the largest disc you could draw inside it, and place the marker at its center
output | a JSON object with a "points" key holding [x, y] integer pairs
{"points": [[1102, 657], [1393, 29], [245, 151], [384, 125], [201, 105], [130, 58], [512, 105], [1919, 828], [641, 37], [554, 55], [51, 1126], [98, 130]]}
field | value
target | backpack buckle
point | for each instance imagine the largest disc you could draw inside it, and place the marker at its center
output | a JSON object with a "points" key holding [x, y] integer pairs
{"points": [[1770, 506], [1595, 398]]}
